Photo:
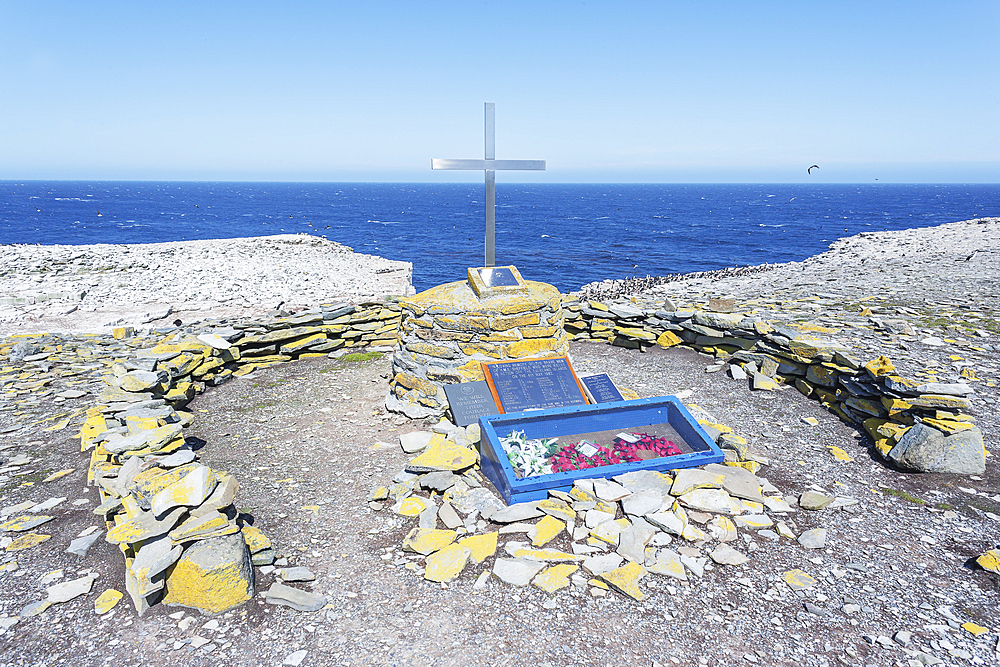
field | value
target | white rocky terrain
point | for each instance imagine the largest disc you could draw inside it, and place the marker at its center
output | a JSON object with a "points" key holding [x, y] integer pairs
{"points": [[93, 287], [956, 261]]}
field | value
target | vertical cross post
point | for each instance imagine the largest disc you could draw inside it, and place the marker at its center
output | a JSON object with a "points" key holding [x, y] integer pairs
{"points": [[490, 165], [491, 184]]}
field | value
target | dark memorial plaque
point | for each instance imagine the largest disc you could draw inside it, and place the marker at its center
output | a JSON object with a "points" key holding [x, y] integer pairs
{"points": [[534, 384], [498, 277], [601, 389], [469, 401]]}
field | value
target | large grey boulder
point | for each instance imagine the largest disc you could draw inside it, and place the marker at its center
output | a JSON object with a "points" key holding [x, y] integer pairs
{"points": [[926, 449]]}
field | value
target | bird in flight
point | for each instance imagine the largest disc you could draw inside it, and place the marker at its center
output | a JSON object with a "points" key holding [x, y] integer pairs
{"points": [[810, 169]]}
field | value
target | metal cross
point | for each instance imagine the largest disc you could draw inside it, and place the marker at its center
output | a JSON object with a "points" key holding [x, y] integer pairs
{"points": [[490, 165]]}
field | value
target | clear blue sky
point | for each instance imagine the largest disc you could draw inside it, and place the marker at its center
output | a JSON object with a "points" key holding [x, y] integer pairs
{"points": [[605, 92]]}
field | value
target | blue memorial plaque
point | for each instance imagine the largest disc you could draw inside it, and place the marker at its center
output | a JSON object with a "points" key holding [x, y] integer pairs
{"points": [[534, 384], [469, 401], [601, 389]]}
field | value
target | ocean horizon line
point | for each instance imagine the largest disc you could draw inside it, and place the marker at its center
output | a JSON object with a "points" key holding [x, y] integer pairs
{"points": [[505, 182]]}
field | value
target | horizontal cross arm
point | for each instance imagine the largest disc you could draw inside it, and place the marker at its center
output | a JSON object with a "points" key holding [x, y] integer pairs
{"points": [[489, 165]]}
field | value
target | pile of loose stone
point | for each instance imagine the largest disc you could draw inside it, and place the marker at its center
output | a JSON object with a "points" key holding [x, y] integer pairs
{"points": [[923, 427], [173, 518], [612, 532]]}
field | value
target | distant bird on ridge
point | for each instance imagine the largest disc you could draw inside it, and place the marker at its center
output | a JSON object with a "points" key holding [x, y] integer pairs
{"points": [[810, 169]]}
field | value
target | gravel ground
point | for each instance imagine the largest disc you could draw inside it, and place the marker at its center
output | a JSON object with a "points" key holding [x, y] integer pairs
{"points": [[306, 435]]}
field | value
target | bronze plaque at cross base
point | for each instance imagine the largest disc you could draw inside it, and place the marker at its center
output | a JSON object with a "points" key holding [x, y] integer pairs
{"points": [[490, 281]]}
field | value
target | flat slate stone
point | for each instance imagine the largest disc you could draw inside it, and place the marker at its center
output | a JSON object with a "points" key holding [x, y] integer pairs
{"points": [[441, 480], [296, 574], [154, 438], [726, 555], [716, 501], [689, 479], [609, 491], [517, 512], [416, 441], [952, 389], [178, 458], [813, 539], [642, 502], [738, 482], [297, 599], [632, 542], [668, 563], [68, 590], [641, 480], [596, 565], [666, 521], [517, 571], [812, 500], [81, 545], [445, 565], [24, 523]]}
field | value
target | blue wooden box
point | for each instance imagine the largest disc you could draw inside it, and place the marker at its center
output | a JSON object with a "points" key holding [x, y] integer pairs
{"points": [[557, 422]]}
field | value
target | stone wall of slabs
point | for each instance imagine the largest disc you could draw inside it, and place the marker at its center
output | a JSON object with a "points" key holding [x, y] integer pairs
{"points": [[447, 332], [926, 427], [174, 518]]}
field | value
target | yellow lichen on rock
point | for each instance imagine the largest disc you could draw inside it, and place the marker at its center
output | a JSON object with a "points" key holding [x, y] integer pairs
{"points": [[881, 365], [532, 347], [212, 575], [412, 506], [27, 541], [443, 454], [480, 547], [255, 539], [106, 601], [990, 561], [839, 453], [974, 629], [798, 580], [625, 580], [446, 564], [554, 578], [547, 555], [427, 540], [545, 530]]}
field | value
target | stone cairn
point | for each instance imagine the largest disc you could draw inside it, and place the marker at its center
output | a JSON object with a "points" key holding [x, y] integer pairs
{"points": [[447, 332], [174, 518]]}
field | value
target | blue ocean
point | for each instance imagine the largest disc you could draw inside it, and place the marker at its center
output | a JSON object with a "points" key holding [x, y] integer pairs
{"points": [[567, 235]]}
